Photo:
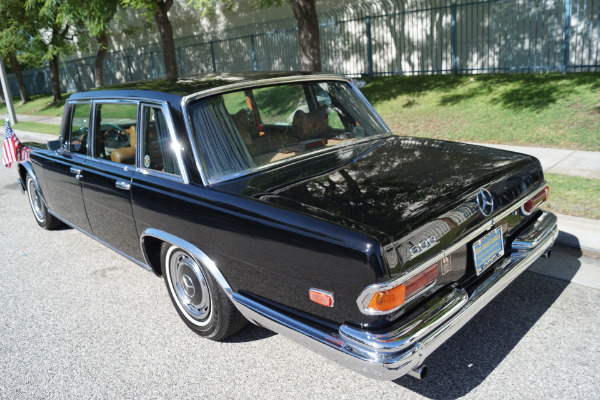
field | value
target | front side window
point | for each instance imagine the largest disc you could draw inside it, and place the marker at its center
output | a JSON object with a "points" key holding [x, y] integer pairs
{"points": [[252, 128], [78, 134], [116, 125]]}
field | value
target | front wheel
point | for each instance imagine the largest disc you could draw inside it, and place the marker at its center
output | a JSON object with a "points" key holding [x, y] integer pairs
{"points": [[40, 211], [199, 300]]}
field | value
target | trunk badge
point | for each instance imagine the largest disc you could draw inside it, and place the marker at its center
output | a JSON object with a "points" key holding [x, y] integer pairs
{"points": [[485, 201]]}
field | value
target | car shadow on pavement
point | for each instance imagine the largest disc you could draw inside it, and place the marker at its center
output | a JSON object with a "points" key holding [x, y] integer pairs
{"points": [[472, 354], [250, 333]]}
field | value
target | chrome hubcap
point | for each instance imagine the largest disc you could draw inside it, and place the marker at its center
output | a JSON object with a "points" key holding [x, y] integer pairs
{"points": [[189, 286], [35, 201]]}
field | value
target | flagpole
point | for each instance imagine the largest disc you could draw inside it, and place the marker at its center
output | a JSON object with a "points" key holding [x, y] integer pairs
{"points": [[7, 95]]}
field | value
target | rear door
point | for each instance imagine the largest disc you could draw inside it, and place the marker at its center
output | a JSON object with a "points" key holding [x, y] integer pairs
{"points": [[107, 175], [63, 169]]}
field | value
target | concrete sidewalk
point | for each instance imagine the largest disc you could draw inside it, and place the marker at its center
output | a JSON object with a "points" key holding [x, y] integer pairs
{"points": [[42, 119], [560, 161]]}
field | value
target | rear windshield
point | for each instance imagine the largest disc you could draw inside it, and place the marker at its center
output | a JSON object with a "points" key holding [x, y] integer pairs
{"points": [[253, 128]]}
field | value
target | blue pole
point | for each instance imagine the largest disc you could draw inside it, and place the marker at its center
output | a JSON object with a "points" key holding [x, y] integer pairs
{"points": [[369, 47], [453, 37], [253, 53], [212, 55], [566, 35]]}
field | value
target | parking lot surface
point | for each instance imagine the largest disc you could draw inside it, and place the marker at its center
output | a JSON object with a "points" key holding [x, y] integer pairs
{"points": [[80, 321]]}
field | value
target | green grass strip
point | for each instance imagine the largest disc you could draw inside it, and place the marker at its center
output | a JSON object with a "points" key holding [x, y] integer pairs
{"points": [[37, 127], [573, 195]]}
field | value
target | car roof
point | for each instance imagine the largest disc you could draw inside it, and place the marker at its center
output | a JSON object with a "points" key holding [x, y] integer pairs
{"points": [[188, 86]]}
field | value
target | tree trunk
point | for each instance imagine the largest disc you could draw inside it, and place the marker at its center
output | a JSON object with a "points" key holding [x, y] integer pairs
{"points": [[166, 39], [14, 64], [55, 79], [305, 13], [100, 56]]}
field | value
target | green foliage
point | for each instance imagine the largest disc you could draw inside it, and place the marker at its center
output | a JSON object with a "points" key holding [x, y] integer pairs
{"points": [[55, 25], [17, 27], [204, 6]]}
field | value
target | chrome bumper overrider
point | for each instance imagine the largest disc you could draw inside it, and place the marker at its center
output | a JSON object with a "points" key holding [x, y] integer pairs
{"points": [[399, 351]]}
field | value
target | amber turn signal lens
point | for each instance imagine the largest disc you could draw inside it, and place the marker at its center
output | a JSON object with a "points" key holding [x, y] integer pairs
{"points": [[322, 297], [388, 299]]}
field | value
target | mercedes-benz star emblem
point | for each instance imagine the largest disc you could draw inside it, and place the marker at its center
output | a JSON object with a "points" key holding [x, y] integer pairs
{"points": [[188, 286], [485, 201]]}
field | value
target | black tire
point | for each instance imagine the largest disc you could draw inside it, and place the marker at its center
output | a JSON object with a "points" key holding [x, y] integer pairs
{"points": [[199, 300], [40, 212]]}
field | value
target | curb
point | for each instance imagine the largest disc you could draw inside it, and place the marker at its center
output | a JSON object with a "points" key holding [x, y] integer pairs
{"points": [[581, 233]]}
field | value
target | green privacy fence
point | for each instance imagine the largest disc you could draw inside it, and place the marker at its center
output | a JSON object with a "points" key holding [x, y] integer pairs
{"points": [[380, 38]]}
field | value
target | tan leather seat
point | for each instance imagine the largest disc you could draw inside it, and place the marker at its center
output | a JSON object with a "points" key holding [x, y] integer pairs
{"points": [[311, 124], [126, 155]]}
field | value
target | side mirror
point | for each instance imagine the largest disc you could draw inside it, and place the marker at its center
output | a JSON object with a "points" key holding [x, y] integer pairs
{"points": [[53, 145]]}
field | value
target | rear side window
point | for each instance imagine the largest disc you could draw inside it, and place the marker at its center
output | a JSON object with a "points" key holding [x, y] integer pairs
{"points": [[159, 153], [78, 134]]}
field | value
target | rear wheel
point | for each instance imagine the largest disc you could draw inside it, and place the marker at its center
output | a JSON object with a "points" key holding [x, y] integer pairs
{"points": [[199, 300], [40, 212]]}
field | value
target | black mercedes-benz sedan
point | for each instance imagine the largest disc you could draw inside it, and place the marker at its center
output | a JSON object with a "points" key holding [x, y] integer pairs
{"points": [[285, 200]]}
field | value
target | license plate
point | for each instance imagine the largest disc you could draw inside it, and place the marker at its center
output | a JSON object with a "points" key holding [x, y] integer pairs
{"points": [[487, 250]]}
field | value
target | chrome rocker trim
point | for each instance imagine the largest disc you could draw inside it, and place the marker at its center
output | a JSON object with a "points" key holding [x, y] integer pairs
{"points": [[403, 349]]}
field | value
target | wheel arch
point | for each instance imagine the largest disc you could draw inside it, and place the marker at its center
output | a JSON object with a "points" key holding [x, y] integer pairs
{"points": [[151, 241], [24, 169]]}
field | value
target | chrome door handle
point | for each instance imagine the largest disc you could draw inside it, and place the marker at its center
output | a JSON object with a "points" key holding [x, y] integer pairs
{"points": [[123, 185], [77, 172]]}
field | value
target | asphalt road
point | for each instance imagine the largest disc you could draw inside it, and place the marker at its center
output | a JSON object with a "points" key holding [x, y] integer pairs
{"points": [[79, 321]]}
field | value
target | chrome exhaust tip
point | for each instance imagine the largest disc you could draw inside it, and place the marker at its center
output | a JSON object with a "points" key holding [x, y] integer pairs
{"points": [[419, 372], [547, 253]]}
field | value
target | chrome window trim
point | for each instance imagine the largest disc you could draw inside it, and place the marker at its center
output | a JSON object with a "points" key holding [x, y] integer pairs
{"points": [[366, 295], [160, 174], [206, 180]]}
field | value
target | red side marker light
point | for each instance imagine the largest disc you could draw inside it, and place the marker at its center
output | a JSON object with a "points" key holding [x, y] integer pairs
{"points": [[322, 297]]}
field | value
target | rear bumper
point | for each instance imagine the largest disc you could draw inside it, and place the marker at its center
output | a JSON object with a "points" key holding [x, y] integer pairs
{"points": [[399, 351]]}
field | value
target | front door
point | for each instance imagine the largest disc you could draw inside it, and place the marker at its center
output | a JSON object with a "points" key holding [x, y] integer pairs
{"points": [[62, 171], [107, 176]]}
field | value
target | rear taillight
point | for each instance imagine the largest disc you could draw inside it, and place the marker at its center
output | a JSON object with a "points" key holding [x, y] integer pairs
{"points": [[536, 201], [390, 299]]}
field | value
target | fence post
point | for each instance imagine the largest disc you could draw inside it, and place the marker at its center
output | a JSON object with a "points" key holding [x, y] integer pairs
{"points": [[179, 65], [453, 38], [129, 69], [212, 55], [253, 53], [369, 47], [566, 35]]}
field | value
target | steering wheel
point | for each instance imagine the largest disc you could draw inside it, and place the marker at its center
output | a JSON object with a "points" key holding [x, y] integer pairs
{"points": [[116, 133]]}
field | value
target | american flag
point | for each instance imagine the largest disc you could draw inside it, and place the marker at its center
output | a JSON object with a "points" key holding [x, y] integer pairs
{"points": [[11, 145]]}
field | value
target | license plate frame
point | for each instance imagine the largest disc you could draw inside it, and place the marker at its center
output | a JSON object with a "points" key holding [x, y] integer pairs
{"points": [[487, 250]]}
